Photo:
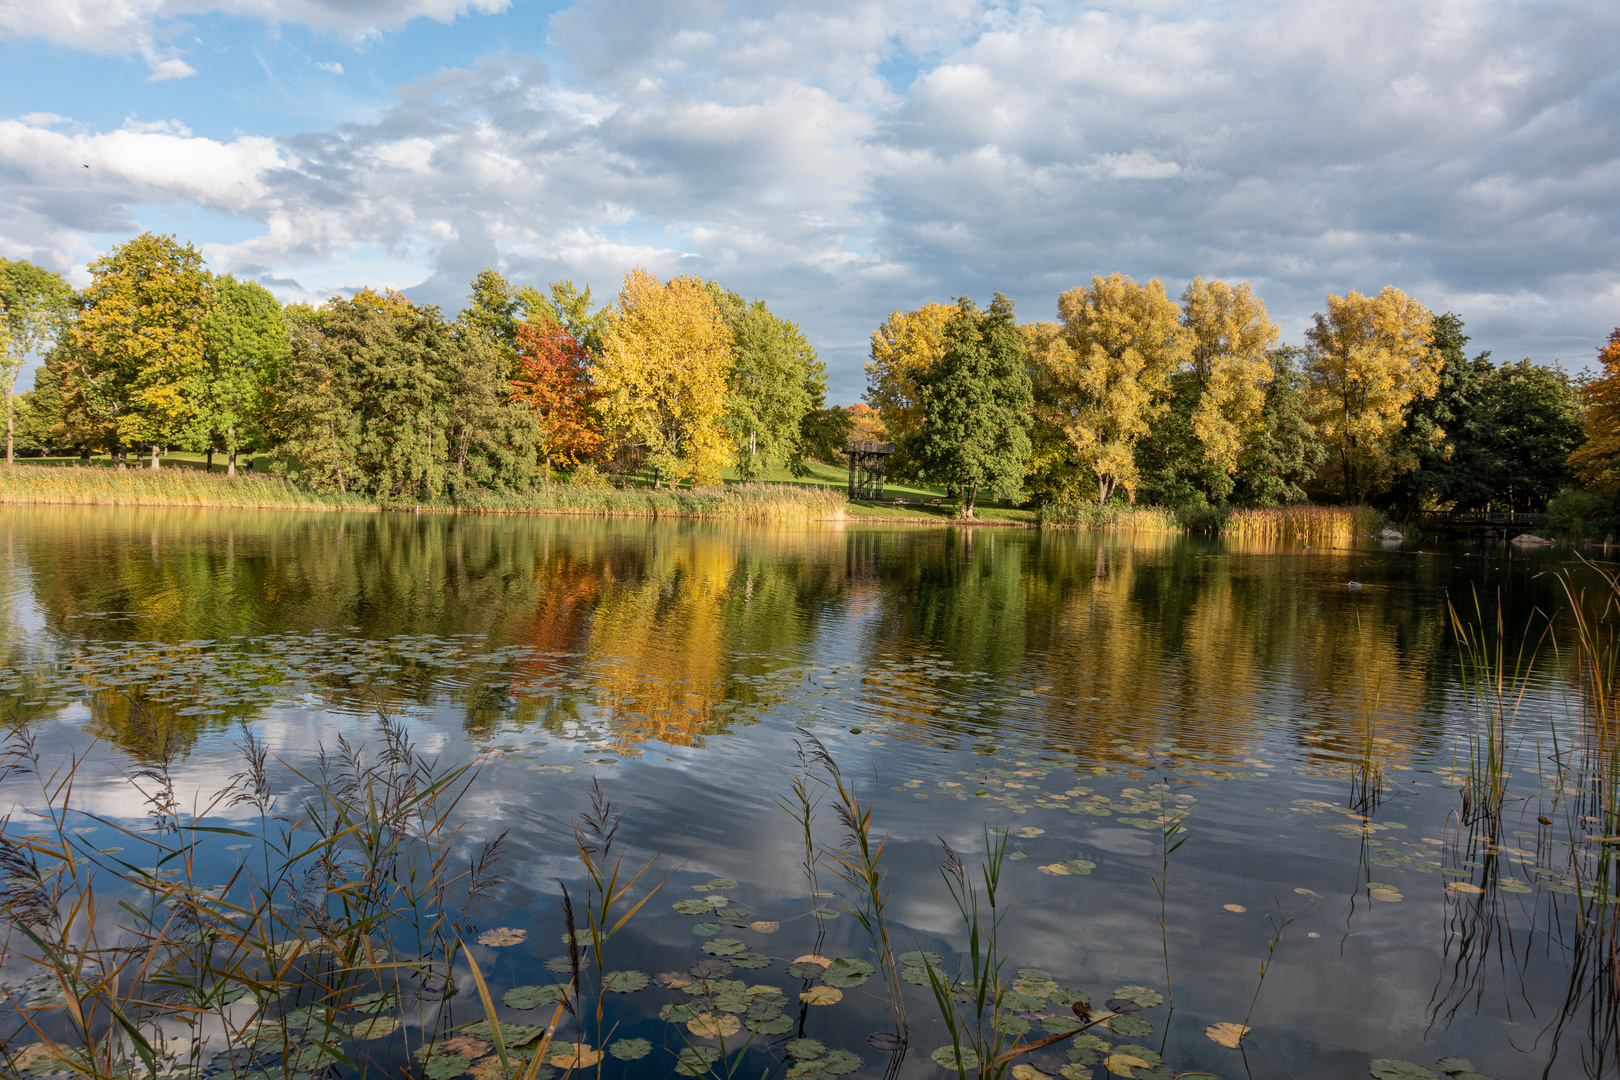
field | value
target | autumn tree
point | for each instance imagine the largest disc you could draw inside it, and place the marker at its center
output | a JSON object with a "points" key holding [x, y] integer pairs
{"points": [[1597, 462], [1231, 342], [34, 306], [246, 340], [977, 399], [1367, 358], [554, 380], [662, 377], [1102, 375], [904, 346], [140, 341]]}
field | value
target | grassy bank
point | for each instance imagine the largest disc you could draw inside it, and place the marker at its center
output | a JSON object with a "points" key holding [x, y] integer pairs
{"points": [[102, 486], [1313, 525]]}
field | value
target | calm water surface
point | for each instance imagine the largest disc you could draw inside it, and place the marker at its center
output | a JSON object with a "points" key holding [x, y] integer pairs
{"points": [[1001, 679]]}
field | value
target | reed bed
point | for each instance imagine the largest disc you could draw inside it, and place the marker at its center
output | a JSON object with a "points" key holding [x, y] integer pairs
{"points": [[104, 486], [1152, 519], [1312, 524], [775, 504]]}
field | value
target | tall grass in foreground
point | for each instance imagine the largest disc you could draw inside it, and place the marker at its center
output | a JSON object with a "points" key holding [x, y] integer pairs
{"points": [[331, 945], [776, 504]]}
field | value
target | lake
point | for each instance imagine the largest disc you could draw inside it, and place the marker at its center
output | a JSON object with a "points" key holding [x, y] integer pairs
{"points": [[1200, 757]]}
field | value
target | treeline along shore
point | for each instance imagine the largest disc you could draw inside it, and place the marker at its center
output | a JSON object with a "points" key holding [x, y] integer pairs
{"points": [[1134, 409]]}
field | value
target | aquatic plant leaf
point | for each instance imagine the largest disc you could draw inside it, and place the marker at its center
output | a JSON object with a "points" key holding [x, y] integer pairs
{"points": [[676, 1013], [1393, 1069], [715, 968], [1464, 887], [774, 1026], [822, 995], [804, 1049], [467, 1046], [1226, 1034], [751, 960], [375, 1028], [1087, 1049], [706, 929], [763, 927], [445, 1068], [1029, 832], [532, 997], [561, 965], [1075, 1072], [1062, 996], [805, 970], [630, 1049], [724, 946], [1132, 1027], [714, 1025], [847, 972], [722, 883], [946, 1057], [1029, 1072], [502, 935], [840, 1062], [1451, 1066], [693, 907], [674, 980], [574, 1056], [580, 937], [887, 1041], [917, 959], [1309, 893], [624, 982], [1122, 1006], [695, 1060], [1059, 1025], [1145, 996], [513, 1035]]}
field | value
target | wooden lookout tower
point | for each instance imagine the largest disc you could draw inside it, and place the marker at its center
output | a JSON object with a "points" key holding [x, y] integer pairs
{"points": [[867, 461]]}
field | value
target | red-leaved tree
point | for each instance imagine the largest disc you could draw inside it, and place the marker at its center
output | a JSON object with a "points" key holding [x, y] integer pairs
{"points": [[554, 379]]}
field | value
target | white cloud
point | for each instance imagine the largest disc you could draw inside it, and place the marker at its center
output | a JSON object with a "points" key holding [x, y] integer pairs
{"points": [[841, 159], [172, 68], [331, 67]]}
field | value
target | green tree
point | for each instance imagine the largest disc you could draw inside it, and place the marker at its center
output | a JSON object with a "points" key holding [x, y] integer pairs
{"points": [[139, 341], [247, 342], [1285, 453], [493, 311], [34, 306], [775, 382], [1174, 465], [1535, 421], [568, 307], [977, 401], [1444, 435]]}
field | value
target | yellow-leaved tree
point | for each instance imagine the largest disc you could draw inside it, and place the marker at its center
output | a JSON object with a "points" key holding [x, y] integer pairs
{"points": [[1597, 461], [1367, 358], [1231, 341], [661, 378], [905, 346], [1101, 375]]}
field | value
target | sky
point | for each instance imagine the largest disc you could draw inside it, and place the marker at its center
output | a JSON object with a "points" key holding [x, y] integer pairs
{"points": [[838, 159]]}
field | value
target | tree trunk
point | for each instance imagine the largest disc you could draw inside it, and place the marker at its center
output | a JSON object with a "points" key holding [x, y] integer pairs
{"points": [[230, 449], [210, 466], [972, 494], [154, 457]]}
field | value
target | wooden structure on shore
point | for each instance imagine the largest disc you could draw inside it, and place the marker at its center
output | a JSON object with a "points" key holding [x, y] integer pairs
{"points": [[1487, 523], [867, 463]]}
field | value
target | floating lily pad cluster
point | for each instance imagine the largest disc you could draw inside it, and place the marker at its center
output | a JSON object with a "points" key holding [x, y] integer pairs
{"points": [[720, 912]]}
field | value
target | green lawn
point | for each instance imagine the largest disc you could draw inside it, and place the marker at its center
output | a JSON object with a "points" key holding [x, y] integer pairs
{"points": [[177, 459]]}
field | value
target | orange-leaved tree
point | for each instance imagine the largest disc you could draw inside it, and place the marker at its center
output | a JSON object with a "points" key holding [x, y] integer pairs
{"points": [[1597, 461], [554, 379]]}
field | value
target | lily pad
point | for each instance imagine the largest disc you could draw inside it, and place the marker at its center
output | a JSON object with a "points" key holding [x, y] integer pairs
{"points": [[847, 972], [886, 1041], [499, 936], [624, 982], [706, 929], [1066, 869], [561, 965], [1226, 1034], [714, 968], [822, 995], [1132, 1027], [1029, 1072], [840, 1062], [1393, 1069], [804, 1049], [805, 970], [1029, 832], [947, 1057], [764, 927], [751, 960], [375, 1028], [722, 883], [777, 1025], [714, 1025], [574, 1056], [630, 1049], [445, 1067], [693, 907], [1059, 1025], [695, 1060], [532, 997], [1145, 996], [724, 946]]}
